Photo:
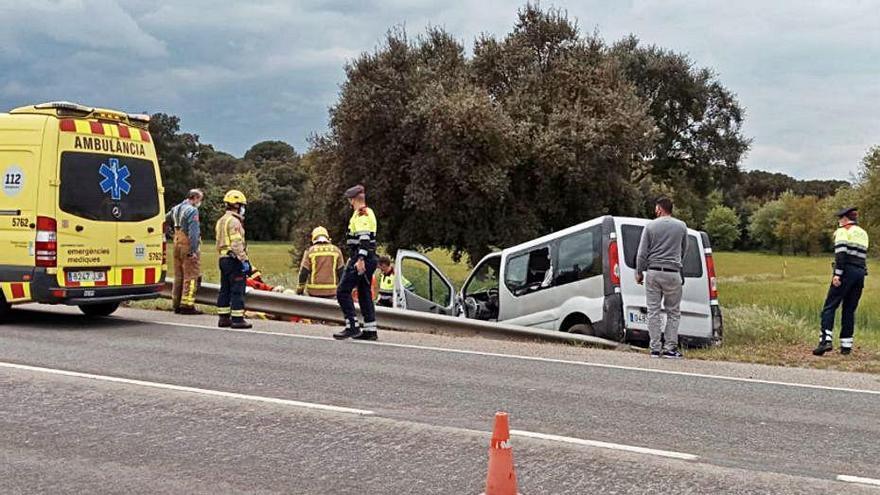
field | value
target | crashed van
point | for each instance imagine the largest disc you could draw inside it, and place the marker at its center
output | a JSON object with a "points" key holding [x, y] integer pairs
{"points": [[81, 208], [579, 280]]}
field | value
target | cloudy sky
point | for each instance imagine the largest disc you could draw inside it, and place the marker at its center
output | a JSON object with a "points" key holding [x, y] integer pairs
{"points": [[808, 72]]}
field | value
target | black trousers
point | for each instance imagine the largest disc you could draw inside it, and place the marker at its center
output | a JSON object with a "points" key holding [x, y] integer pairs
{"points": [[351, 280], [852, 282], [230, 301]]}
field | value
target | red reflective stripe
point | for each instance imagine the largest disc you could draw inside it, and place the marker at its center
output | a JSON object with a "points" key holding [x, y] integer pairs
{"points": [[123, 131], [127, 276], [101, 283], [145, 136], [17, 291], [97, 128], [67, 125], [150, 276], [71, 284]]}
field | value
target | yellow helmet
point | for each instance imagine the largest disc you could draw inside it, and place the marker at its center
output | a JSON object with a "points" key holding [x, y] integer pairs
{"points": [[320, 231], [235, 197]]}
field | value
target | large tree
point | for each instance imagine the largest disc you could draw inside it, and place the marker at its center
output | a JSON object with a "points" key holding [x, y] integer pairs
{"points": [[177, 152], [699, 138]]}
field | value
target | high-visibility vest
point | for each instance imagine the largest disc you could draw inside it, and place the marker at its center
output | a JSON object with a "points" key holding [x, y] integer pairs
{"points": [[230, 236], [361, 237], [850, 247]]}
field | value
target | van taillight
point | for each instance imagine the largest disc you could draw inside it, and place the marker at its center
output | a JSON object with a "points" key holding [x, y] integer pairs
{"points": [[47, 242], [614, 262], [164, 245], [713, 280]]}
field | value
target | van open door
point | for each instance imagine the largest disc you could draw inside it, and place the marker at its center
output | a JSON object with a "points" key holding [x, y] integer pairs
{"points": [[420, 286]]}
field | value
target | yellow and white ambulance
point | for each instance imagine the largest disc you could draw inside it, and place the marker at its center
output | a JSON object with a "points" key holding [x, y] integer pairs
{"points": [[81, 208]]}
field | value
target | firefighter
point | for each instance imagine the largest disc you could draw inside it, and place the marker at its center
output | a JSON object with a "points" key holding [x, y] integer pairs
{"points": [[850, 268], [184, 219], [321, 267], [359, 270], [233, 260]]}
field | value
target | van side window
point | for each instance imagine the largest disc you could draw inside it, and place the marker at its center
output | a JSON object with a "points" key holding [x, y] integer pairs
{"points": [[692, 262], [425, 282], [580, 256], [528, 272]]}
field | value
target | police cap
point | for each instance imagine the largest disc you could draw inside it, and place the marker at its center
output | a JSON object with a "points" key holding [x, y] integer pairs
{"points": [[354, 192], [846, 212]]}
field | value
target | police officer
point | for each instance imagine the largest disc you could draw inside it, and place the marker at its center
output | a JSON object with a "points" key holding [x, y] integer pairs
{"points": [[359, 270], [321, 267], [233, 261], [386, 282], [184, 218], [850, 268]]}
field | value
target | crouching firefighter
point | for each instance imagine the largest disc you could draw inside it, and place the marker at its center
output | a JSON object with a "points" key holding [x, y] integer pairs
{"points": [[184, 218], [321, 267], [233, 260], [358, 273], [850, 269]]}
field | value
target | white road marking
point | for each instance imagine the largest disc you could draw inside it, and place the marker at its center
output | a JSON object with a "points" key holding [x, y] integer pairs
{"points": [[858, 479], [535, 358], [604, 445], [193, 390]]}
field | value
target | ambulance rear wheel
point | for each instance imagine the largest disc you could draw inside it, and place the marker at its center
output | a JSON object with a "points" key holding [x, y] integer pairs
{"points": [[102, 309]]}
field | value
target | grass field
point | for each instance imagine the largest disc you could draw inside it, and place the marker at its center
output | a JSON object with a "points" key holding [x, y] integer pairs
{"points": [[771, 305]]}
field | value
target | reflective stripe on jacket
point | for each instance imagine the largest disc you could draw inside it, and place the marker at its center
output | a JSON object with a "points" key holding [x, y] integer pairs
{"points": [[361, 238], [323, 261]]}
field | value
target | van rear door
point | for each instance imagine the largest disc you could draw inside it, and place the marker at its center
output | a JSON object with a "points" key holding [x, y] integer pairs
{"points": [[696, 317], [420, 286], [110, 210], [86, 225]]}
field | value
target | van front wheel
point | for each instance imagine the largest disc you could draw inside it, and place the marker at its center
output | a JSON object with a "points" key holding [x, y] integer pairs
{"points": [[102, 309]]}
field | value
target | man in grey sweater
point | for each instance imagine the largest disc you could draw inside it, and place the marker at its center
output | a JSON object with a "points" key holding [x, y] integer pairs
{"points": [[659, 267]]}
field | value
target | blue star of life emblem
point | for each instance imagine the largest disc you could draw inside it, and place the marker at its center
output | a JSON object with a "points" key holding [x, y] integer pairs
{"points": [[115, 179]]}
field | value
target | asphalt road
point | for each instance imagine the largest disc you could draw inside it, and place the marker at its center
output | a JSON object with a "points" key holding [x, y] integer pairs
{"points": [[420, 419]]}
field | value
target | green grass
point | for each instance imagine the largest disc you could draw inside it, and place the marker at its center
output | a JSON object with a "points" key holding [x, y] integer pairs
{"points": [[771, 304]]}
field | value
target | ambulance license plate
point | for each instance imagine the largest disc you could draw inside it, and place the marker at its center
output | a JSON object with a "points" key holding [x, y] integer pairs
{"points": [[86, 276]]}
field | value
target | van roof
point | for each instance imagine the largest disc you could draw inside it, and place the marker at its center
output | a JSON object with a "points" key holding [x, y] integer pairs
{"points": [[576, 228], [66, 109]]}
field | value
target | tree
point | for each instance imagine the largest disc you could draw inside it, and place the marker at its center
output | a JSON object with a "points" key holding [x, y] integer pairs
{"points": [[699, 122], [763, 222], [281, 180], [177, 153], [722, 225], [801, 226], [868, 195]]}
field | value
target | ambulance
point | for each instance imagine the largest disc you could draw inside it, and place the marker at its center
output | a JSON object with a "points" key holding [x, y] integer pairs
{"points": [[81, 210]]}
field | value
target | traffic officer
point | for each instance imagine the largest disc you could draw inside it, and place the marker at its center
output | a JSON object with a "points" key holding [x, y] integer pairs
{"points": [[184, 218], [850, 268], [359, 270], [321, 267], [386, 283], [233, 260]]}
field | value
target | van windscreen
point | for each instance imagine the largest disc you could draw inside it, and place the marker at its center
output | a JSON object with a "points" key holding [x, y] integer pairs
{"points": [[632, 235], [108, 188]]}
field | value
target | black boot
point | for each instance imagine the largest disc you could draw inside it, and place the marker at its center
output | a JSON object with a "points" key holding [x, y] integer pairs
{"points": [[823, 347], [350, 331], [240, 323], [846, 351], [368, 333], [225, 321], [188, 310]]}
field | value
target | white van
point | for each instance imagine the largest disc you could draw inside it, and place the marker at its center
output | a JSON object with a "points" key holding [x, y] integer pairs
{"points": [[581, 280]]}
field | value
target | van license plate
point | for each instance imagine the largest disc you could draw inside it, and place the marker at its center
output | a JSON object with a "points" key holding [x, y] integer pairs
{"points": [[638, 317], [86, 276]]}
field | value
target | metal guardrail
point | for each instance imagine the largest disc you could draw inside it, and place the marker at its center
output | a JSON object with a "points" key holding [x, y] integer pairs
{"points": [[390, 318]]}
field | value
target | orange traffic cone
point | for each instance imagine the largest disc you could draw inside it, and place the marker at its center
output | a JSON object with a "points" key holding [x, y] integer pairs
{"points": [[501, 479]]}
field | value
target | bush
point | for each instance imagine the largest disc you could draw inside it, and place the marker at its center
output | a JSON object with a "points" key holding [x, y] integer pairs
{"points": [[722, 225]]}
